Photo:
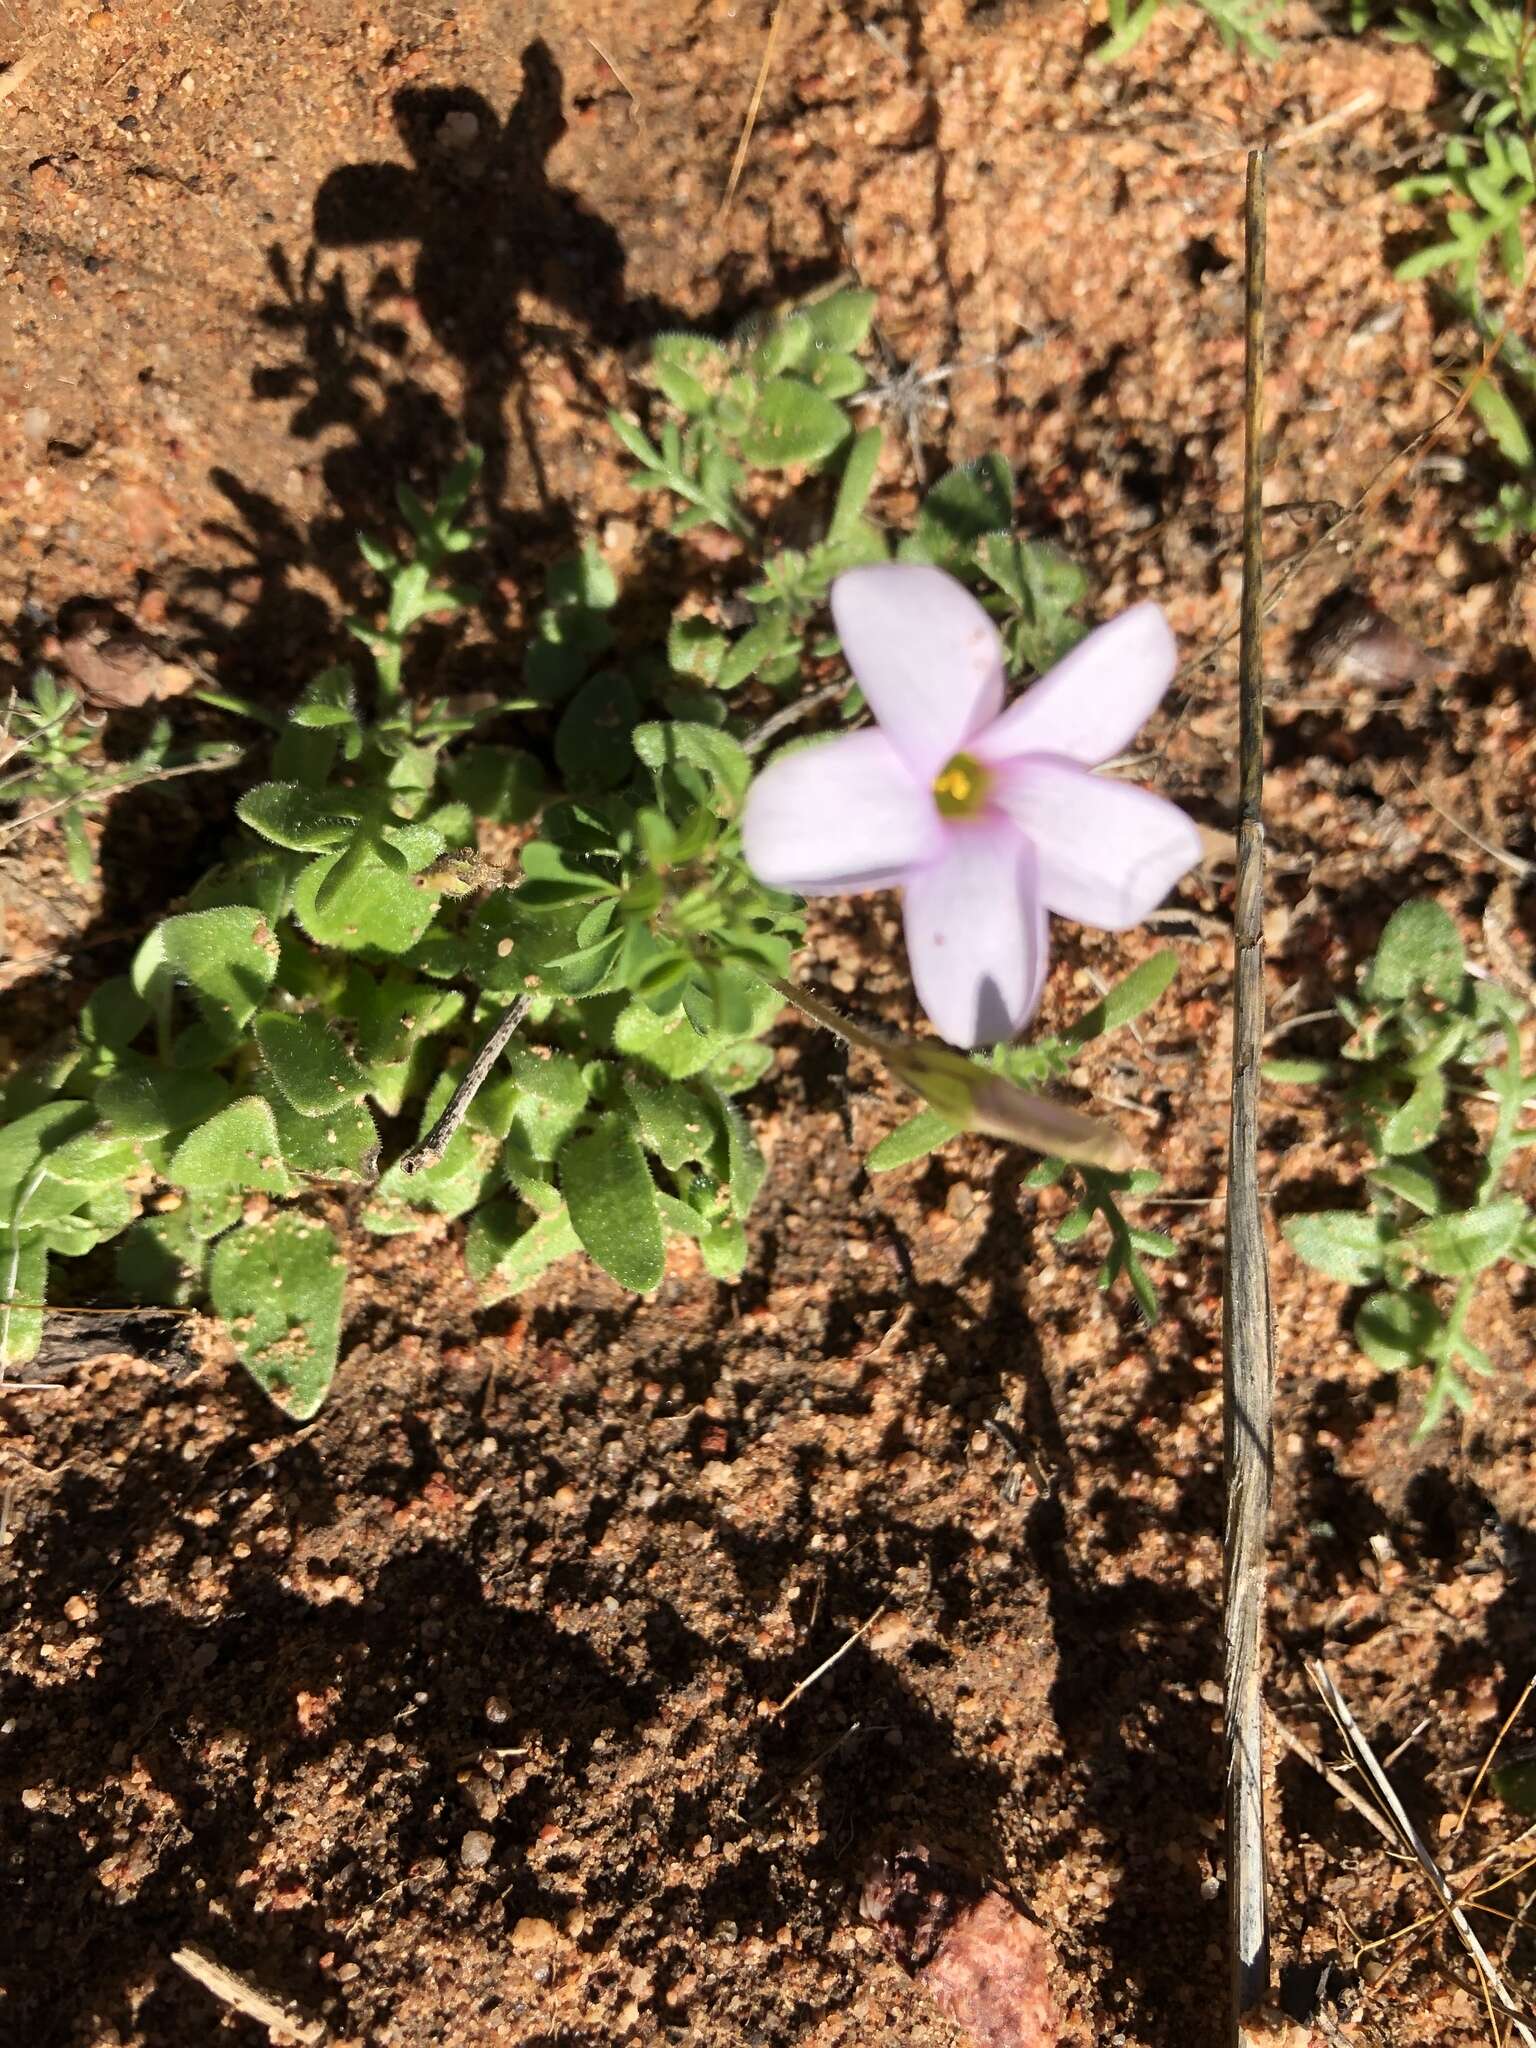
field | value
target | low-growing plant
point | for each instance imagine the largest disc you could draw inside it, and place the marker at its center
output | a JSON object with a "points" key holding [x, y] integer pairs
{"points": [[1482, 191], [48, 773], [1432, 1080], [407, 887]]}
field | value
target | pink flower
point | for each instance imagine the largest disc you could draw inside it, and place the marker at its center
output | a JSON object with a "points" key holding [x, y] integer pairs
{"points": [[986, 819]]}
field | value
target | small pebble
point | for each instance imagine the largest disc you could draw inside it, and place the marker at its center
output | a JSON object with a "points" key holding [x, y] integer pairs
{"points": [[530, 1935], [475, 1849]]}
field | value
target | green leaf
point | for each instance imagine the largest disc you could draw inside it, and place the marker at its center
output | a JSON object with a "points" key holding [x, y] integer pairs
{"points": [[371, 905], [961, 509], [628, 434], [1420, 949], [210, 1212], [612, 1200], [695, 648], [840, 322], [148, 1102], [1515, 1784], [1411, 1181], [1343, 1243], [1468, 1239], [329, 700], [837, 376], [1491, 404], [689, 368], [778, 345], [342, 1146], [740, 1067], [759, 645], [551, 1098], [1396, 1330], [161, 1259], [26, 1142], [675, 1046], [582, 582], [23, 1291], [745, 1164], [289, 814], [1141, 988], [1300, 1073], [676, 742], [1412, 1127], [504, 785], [114, 1014], [227, 957], [237, 1149], [1044, 586], [592, 745], [262, 881], [792, 423], [309, 1064], [855, 483], [506, 1248], [914, 1139], [279, 1286], [672, 1120]]}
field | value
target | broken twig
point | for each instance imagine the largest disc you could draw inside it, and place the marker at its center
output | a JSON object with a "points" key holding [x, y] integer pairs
{"points": [[827, 1662], [438, 1139], [243, 1997], [1247, 1345]]}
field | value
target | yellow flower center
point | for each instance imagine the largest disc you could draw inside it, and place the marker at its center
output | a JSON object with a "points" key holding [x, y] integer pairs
{"points": [[960, 790]]}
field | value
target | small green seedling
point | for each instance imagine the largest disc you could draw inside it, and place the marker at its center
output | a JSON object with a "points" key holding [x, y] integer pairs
{"points": [[48, 775], [1432, 1080]]}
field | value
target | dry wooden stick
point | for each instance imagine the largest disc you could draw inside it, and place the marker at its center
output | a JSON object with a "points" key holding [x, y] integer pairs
{"points": [[243, 1997], [1247, 1343], [437, 1140]]}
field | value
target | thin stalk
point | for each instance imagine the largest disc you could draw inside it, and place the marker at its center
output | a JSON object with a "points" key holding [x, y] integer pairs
{"points": [[438, 1139], [1247, 1336]]}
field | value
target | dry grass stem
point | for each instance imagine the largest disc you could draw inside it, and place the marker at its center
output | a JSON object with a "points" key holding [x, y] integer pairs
{"points": [[243, 1997], [754, 105], [1487, 1763], [1247, 1339], [1336, 1781], [634, 97], [1494, 1989], [827, 1662]]}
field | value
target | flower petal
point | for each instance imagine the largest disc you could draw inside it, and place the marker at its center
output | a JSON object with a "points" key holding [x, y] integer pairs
{"points": [[1091, 705], [926, 655], [1108, 852], [839, 817], [976, 933]]}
